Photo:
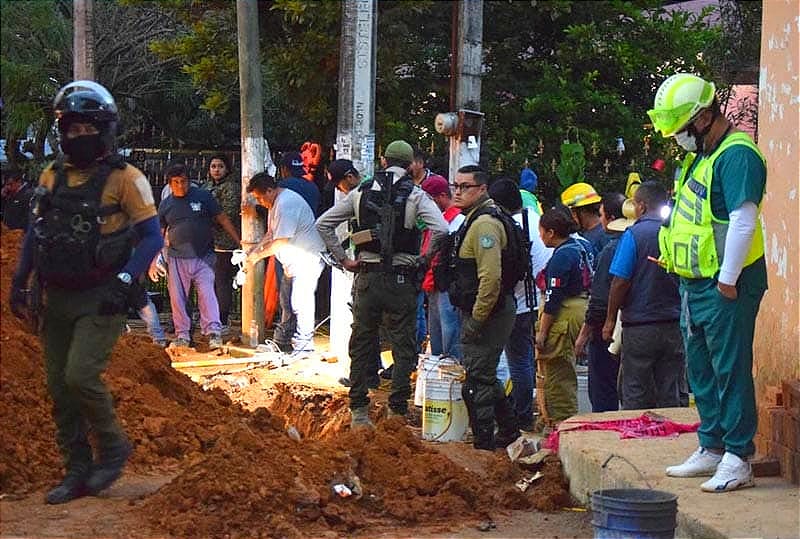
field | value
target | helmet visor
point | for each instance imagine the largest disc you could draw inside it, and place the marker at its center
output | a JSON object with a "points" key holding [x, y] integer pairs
{"points": [[670, 121]]}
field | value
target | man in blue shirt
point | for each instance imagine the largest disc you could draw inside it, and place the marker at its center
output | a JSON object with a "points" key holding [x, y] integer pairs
{"points": [[187, 216], [292, 172], [652, 346]]}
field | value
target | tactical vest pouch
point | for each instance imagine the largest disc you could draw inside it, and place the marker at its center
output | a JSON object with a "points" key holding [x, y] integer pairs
{"points": [[70, 251], [362, 236], [114, 250]]}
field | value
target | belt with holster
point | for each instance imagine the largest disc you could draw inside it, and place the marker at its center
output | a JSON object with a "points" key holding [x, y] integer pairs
{"points": [[377, 267]]}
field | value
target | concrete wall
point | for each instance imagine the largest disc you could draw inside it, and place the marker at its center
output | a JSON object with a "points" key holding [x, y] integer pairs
{"points": [[777, 341]]}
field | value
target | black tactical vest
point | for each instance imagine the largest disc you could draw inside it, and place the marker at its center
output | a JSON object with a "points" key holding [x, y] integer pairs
{"points": [[462, 273], [70, 250], [376, 211]]}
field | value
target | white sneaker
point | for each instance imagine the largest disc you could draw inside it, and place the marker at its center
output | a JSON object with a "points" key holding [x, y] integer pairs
{"points": [[732, 473], [699, 464]]}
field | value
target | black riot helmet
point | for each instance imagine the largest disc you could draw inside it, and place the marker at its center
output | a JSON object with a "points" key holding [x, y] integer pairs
{"points": [[89, 102]]}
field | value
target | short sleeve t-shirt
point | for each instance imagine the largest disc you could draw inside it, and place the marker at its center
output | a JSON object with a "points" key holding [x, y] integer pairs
{"points": [[291, 218], [563, 276], [624, 261], [189, 220], [127, 187]]}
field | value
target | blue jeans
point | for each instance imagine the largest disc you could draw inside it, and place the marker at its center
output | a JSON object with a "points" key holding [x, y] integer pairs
{"points": [[297, 299], [149, 316], [603, 372], [519, 350], [445, 325], [422, 327]]}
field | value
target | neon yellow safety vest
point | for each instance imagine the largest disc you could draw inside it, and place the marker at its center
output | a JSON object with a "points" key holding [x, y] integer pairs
{"points": [[694, 243]]}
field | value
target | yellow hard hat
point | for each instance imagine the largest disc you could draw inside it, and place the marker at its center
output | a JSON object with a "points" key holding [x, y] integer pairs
{"points": [[678, 100], [579, 194], [634, 181]]}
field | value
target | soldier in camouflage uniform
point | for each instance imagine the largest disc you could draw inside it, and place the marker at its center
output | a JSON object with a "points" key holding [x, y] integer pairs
{"points": [[227, 190]]}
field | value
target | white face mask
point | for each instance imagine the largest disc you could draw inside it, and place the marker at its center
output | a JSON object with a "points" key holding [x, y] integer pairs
{"points": [[686, 141]]}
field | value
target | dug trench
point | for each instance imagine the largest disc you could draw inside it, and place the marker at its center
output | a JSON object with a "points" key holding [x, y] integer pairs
{"points": [[233, 462]]}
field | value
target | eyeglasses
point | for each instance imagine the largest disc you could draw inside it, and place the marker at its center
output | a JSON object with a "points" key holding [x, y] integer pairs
{"points": [[464, 186]]}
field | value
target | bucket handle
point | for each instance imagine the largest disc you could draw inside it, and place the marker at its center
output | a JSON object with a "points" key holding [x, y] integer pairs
{"points": [[632, 465]]}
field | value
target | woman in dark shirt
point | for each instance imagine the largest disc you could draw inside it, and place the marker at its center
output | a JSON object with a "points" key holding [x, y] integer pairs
{"points": [[562, 315]]}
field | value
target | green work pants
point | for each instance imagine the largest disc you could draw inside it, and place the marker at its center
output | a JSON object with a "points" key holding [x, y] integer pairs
{"points": [[557, 360], [77, 345], [390, 300], [718, 335], [482, 390]]}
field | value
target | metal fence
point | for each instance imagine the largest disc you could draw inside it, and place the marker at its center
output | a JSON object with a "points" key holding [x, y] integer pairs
{"points": [[154, 163]]}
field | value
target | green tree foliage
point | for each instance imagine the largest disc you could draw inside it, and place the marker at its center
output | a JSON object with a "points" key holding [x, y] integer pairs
{"points": [[593, 67], [552, 69], [35, 59]]}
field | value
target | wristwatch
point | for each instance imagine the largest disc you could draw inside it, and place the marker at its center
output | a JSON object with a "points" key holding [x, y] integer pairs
{"points": [[125, 277]]}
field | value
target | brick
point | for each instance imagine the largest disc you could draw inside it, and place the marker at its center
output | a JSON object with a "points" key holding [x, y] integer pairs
{"points": [[765, 414], [766, 466], [773, 396], [791, 396], [790, 463], [776, 421], [791, 432], [761, 445], [794, 473]]}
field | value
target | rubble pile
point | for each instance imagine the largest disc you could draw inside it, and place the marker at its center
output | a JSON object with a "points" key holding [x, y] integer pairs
{"points": [[166, 415], [294, 471]]}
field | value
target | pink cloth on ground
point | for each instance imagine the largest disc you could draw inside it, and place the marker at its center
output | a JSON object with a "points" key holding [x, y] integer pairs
{"points": [[647, 425]]}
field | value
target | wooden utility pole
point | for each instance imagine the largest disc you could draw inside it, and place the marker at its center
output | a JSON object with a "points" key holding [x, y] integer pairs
{"points": [[82, 40], [467, 56], [252, 128], [355, 135]]}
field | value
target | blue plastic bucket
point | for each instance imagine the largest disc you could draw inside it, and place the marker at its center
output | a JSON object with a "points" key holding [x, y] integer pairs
{"points": [[629, 513]]}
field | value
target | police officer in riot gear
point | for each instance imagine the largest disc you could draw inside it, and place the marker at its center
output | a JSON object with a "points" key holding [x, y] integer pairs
{"points": [[387, 267], [88, 211], [486, 301]]}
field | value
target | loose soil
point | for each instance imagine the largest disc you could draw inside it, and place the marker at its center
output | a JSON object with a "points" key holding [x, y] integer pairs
{"points": [[234, 469]]}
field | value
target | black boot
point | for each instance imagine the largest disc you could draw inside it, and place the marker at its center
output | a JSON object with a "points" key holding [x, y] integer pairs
{"points": [[484, 437], [73, 486], [108, 470], [78, 462], [507, 424]]}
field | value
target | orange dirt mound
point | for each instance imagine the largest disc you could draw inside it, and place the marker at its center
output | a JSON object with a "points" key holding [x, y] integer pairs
{"points": [[166, 415], [241, 474]]}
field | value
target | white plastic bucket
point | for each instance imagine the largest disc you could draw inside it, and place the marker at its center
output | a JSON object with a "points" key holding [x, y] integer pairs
{"points": [[444, 414]]}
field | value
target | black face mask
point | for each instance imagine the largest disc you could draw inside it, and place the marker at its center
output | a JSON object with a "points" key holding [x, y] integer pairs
{"points": [[84, 150], [699, 136]]}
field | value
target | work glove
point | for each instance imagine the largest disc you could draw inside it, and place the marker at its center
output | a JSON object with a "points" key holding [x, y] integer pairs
{"points": [[19, 302], [471, 328], [116, 300]]}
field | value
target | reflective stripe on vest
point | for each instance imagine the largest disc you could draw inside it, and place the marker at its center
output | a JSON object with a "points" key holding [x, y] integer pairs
{"points": [[696, 239]]}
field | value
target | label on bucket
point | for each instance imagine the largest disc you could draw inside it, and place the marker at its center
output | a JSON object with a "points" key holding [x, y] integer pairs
{"points": [[444, 420]]}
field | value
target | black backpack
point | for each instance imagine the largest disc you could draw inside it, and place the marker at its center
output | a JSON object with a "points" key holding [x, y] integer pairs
{"points": [[515, 259]]}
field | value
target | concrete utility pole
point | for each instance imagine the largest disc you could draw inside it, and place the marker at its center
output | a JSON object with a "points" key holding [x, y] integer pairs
{"points": [[355, 135], [83, 40], [467, 57], [355, 132], [252, 157]]}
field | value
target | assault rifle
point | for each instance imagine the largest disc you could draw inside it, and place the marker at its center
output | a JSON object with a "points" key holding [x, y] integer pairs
{"points": [[530, 297], [385, 229]]}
